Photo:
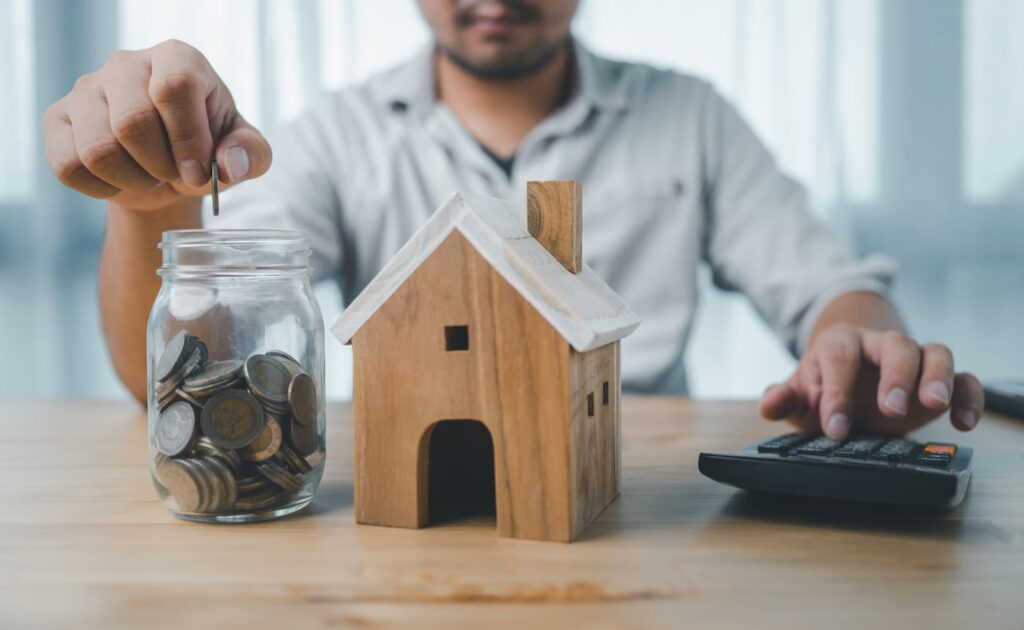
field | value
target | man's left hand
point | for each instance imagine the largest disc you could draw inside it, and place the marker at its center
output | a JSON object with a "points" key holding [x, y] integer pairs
{"points": [[873, 381]]}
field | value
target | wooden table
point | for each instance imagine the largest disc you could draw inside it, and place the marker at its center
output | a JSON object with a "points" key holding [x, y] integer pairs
{"points": [[85, 544]]}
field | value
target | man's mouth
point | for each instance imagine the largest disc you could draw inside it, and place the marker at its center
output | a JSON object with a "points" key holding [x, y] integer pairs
{"points": [[496, 18]]}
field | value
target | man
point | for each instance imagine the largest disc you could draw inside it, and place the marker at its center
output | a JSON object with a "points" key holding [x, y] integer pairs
{"points": [[672, 177]]}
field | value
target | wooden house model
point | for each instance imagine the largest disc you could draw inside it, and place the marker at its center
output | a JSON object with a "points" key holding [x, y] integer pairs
{"points": [[488, 315]]}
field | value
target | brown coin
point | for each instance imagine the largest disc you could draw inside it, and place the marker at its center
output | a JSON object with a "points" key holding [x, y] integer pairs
{"points": [[228, 486], [179, 480], [176, 352], [164, 392], [267, 378], [266, 498], [294, 461], [204, 447], [281, 476], [182, 394], [175, 427], [232, 419], [203, 481], [248, 485], [218, 488], [266, 443], [302, 400], [303, 438]]}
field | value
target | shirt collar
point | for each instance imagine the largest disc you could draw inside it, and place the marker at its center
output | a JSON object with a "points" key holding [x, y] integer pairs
{"points": [[412, 86]]}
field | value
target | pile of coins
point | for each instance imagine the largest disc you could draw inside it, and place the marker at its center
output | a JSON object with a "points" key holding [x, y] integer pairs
{"points": [[232, 436]]}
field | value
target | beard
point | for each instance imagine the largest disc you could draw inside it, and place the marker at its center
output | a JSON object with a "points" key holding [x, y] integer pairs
{"points": [[509, 68]]}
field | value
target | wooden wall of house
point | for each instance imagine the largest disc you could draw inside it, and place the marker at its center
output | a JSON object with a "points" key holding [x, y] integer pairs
{"points": [[514, 377], [596, 466]]}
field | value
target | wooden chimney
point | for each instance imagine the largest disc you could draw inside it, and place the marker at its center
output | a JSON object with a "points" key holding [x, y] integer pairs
{"points": [[554, 216]]}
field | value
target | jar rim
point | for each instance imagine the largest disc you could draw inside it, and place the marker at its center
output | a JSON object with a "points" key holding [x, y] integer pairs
{"points": [[203, 237]]}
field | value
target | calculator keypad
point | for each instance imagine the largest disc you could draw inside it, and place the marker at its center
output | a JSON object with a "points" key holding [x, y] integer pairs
{"points": [[865, 448]]}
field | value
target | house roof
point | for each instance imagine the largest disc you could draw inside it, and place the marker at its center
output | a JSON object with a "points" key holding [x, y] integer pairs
{"points": [[581, 307]]}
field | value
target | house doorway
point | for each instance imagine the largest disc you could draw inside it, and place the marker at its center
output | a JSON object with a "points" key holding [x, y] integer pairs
{"points": [[460, 472]]}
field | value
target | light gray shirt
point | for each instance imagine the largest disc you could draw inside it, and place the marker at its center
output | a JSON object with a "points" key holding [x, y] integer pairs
{"points": [[672, 178]]}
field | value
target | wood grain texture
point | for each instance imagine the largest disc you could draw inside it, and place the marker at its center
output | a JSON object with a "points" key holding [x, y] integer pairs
{"points": [[554, 216], [85, 544], [595, 433], [514, 379]]}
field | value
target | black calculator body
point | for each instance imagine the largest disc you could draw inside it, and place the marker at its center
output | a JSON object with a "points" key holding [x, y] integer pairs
{"points": [[861, 468]]}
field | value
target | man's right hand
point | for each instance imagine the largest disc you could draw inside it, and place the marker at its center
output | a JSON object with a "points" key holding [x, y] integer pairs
{"points": [[142, 129]]}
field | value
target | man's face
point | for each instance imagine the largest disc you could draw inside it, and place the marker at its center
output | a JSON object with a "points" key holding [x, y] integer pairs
{"points": [[500, 39]]}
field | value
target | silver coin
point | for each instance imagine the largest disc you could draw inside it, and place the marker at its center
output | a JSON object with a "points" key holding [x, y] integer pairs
{"points": [[174, 429], [175, 353], [195, 360], [214, 374], [288, 361], [267, 378]]}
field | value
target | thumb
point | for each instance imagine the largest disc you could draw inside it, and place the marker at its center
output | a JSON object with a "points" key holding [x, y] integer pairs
{"points": [[242, 153]]}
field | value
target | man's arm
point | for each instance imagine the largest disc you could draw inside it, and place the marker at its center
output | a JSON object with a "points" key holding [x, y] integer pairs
{"points": [[128, 283], [861, 366], [857, 367], [140, 132]]}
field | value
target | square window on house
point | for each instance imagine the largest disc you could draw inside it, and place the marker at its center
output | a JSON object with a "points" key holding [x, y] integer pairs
{"points": [[456, 338]]}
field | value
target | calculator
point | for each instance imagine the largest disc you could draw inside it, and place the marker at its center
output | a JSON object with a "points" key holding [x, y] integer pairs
{"points": [[864, 468]]}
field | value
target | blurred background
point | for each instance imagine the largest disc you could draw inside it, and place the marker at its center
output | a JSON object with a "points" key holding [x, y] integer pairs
{"points": [[905, 119]]}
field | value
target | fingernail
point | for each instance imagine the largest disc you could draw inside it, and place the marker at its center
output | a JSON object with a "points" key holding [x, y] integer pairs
{"points": [[838, 426], [968, 418], [939, 391], [897, 400], [192, 172], [236, 161]]}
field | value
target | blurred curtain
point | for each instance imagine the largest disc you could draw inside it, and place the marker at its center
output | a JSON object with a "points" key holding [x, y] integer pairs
{"points": [[902, 116]]}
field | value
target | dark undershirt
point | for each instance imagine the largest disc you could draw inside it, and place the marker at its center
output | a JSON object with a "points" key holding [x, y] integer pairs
{"points": [[505, 164]]}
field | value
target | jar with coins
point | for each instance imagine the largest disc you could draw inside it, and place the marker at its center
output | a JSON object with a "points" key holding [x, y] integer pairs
{"points": [[236, 376]]}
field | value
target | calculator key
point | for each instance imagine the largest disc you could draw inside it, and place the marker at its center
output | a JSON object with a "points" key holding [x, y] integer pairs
{"points": [[897, 449], [940, 449], [858, 447], [782, 443], [818, 446], [936, 460]]}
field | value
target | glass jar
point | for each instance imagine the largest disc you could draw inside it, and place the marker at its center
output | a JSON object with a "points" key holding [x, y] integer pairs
{"points": [[236, 376]]}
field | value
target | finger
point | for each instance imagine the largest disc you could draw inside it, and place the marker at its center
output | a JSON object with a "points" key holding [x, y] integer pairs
{"points": [[178, 86], [134, 119], [968, 402], [936, 387], [99, 150], [779, 401], [59, 144], [899, 366], [809, 377], [242, 152], [839, 359]]}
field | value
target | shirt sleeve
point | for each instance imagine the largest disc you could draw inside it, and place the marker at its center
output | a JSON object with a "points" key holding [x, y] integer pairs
{"points": [[762, 240], [298, 192]]}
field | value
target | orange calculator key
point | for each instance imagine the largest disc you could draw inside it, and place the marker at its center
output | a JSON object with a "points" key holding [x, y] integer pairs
{"points": [[940, 449]]}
